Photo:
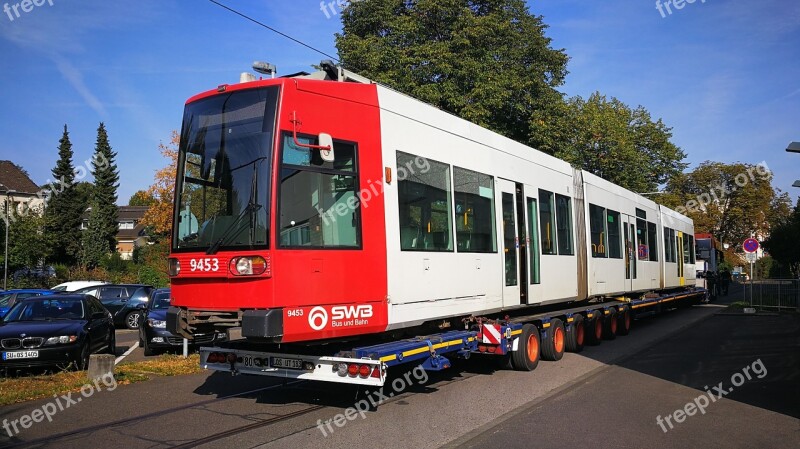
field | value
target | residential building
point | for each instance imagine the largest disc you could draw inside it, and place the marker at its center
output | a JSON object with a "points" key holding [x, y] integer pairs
{"points": [[17, 187]]}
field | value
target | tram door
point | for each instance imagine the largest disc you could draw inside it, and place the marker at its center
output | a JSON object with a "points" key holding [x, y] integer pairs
{"points": [[629, 231], [513, 236]]}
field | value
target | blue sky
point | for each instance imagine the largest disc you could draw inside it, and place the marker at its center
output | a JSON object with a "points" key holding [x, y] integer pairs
{"points": [[724, 74]]}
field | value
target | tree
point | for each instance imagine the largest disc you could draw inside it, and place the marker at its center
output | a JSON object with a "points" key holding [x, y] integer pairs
{"points": [[783, 243], [141, 198], [730, 201], [64, 210], [27, 244], [487, 61], [100, 238], [620, 144], [159, 216]]}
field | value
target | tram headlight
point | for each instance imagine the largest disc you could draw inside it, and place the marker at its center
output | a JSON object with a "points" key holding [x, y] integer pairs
{"points": [[249, 266], [174, 267]]}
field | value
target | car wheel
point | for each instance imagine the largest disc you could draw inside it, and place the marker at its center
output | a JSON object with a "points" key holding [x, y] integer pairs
{"points": [[82, 362], [132, 319], [148, 350], [112, 343]]}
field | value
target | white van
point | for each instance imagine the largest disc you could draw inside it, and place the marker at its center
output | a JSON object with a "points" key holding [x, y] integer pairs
{"points": [[76, 285]]}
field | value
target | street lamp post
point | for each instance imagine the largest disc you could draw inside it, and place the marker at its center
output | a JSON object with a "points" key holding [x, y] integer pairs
{"points": [[5, 253], [794, 147]]}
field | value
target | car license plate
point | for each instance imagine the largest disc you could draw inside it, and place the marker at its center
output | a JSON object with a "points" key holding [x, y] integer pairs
{"points": [[278, 362], [20, 355]]}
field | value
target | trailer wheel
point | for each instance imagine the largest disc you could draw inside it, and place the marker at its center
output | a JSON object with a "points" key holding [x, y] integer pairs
{"points": [[576, 334], [625, 321], [594, 328], [526, 357], [610, 325], [553, 346]]}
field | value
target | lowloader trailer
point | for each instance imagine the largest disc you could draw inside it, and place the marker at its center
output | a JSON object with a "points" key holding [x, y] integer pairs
{"points": [[521, 341]]}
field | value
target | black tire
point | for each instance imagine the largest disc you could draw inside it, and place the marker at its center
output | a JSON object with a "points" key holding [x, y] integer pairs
{"points": [[82, 362], [594, 328], [576, 334], [610, 325], [625, 322], [148, 350], [132, 319], [554, 343], [528, 353], [112, 343]]}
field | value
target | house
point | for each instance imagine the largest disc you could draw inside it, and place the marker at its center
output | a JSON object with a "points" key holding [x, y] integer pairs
{"points": [[130, 230], [21, 192]]}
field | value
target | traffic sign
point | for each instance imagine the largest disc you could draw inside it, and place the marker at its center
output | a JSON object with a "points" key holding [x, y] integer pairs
{"points": [[751, 257], [750, 245]]}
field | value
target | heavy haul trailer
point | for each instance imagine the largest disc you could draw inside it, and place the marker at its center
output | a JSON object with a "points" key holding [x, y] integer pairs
{"points": [[521, 340], [323, 207]]}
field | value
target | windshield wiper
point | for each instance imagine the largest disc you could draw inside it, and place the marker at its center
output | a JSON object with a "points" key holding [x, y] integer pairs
{"points": [[251, 209]]}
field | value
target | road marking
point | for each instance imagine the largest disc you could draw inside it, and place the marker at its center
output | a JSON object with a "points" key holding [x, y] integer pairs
{"points": [[127, 353]]}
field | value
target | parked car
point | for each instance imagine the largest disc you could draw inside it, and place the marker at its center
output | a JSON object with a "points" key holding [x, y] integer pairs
{"points": [[153, 335], [76, 285], [126, 302], [8, 298], [55, 330], [35, 273]]}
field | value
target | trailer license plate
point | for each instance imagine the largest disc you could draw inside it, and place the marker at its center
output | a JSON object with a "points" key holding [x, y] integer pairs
{"points": [[278, 362], [20, 355]]}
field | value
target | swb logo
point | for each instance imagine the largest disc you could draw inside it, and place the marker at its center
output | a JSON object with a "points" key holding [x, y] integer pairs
{"points": [[318, 317]]}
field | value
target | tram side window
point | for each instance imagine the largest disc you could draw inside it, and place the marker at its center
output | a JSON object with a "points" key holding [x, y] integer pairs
{"points": [[475, 224], [686, 250], [614, 240], [642, 249], [652, 241], [319, 206], [425, 205], [667, 245], [597, 219], [564, 223], [547, 219], [691, 250]]}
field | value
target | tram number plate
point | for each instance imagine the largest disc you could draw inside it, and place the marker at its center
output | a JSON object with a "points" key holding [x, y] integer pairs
{"points": [[278, 362]]}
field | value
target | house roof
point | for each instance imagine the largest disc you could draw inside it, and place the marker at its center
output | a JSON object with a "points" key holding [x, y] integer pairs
{"points": [[130, 234], [131, 212], [13, 177]]}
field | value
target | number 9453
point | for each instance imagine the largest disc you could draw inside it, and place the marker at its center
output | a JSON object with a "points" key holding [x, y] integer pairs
{"points": [[204, 265]]}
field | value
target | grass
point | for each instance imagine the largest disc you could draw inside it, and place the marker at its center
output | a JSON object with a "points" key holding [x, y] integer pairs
{"points": [[739, 305], [27, 388]]}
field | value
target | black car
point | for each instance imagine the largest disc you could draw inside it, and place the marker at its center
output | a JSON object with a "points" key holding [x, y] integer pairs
{"points": [[57, 330], [126, 302], [153, 333]]}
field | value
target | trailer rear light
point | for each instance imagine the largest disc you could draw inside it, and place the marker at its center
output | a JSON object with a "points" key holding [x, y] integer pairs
{"points": [[308, 366], [352, 369], [482, 348], [492, 349], [364, 370], [174, 267], [376, 372], [215, 357], [231, 358], [340, 369], [249, 266]]}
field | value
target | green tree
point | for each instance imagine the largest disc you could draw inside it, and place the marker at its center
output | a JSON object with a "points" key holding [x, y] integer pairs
{"points": [[730, 201], [64, 207], [99, 239], [622, 145], [27, 244], [487, 61], [142, 198], [783, 243]]}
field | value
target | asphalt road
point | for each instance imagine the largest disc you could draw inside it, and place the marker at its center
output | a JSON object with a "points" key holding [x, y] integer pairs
{"points": [[607, 396]]}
